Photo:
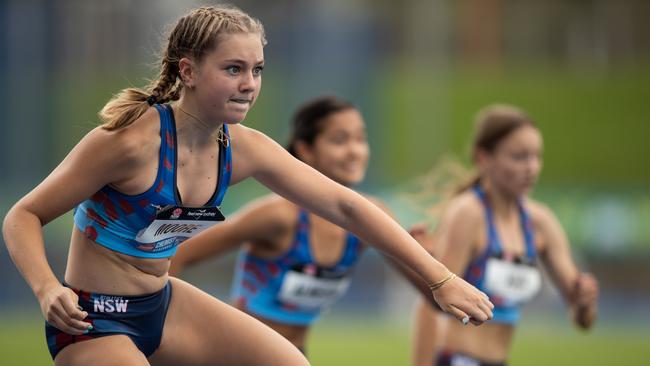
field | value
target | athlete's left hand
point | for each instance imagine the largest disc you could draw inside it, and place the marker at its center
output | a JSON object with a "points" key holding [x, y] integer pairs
{"points": [[584, 300], [464, 301]]}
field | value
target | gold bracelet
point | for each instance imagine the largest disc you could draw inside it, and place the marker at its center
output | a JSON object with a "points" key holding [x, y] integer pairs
{"points": [[439, 284]]}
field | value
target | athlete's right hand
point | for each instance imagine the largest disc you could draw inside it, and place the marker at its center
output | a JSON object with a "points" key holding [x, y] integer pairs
{"points": [[464, 301], [59, 305]]}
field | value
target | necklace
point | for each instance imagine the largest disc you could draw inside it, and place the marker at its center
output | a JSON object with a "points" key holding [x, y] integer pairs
{"points": [[221, 136]]}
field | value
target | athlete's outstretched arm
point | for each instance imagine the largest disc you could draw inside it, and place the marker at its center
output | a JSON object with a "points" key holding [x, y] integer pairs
{"points": [[419, 233], [258, 222], [270, 164], [580, 290], [98, 159]]}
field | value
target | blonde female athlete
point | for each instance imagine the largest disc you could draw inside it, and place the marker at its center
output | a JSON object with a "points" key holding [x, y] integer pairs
{"points": [[294, 264], [153, 175], [494, 235]]}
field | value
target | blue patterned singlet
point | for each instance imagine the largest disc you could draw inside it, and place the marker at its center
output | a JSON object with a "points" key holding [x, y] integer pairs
{"points": [[292, 288], [152, 224], [508, 282]]}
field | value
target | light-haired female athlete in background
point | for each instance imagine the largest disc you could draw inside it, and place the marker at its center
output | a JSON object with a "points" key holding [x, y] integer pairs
{"points": [[493, 234], [154, 174], [294, 264]]}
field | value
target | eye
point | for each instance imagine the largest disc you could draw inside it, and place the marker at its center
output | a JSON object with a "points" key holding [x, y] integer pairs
{"points": [[339, 139], [257, 71], [362, 138], [233, 69], [520, 156]]}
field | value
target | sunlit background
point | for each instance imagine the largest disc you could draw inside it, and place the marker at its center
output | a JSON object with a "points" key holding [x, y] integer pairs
{"points": [[419, 71]]}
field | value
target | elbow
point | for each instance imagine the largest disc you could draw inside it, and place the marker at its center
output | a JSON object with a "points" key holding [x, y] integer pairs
{"points": [[9, 224], [347, 208], [17, 218], [347, 211]]}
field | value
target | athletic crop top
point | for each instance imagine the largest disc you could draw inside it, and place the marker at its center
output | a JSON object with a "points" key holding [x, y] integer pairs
{"points": [[152, 224], [292, 288], [508, 282]]}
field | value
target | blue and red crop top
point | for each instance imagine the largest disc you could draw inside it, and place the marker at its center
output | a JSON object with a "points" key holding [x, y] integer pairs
{"points": [[509, 282], [293, 288], [152, 224]]}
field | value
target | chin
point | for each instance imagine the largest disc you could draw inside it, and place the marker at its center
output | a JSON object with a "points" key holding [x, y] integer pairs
{"points": [[235, 118], [351, 181], [525, 190]]}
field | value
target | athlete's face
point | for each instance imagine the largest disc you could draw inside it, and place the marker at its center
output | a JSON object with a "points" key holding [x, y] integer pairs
{"points": [[516, 162], [341, 150], [228, 79]]}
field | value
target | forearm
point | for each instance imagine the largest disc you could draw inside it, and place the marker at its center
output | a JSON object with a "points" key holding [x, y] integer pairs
{"points": [[415, 280], [23, 236], [375, 227]]}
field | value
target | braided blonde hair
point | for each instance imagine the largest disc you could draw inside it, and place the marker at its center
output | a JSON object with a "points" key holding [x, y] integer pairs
{"points": [[194, 35]]}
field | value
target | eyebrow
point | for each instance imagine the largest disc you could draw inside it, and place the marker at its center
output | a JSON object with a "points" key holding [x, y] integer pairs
{"points": [[242, 62]]}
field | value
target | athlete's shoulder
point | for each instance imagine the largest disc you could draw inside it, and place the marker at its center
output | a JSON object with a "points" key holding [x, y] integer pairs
{"points": [[133, 143], [541, 215], [241, 135], [465, 206]]}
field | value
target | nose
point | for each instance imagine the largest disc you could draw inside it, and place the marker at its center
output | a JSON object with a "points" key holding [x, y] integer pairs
{"points": [[247, 83], [358, 150], [534, 165]]}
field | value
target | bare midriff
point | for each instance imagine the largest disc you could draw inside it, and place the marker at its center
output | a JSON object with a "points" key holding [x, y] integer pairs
{"points": [[94, 268], [489, 342]]}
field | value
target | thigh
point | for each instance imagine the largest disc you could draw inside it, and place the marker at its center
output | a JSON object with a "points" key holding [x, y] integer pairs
{"points": [[201, 330], [102, 351]]}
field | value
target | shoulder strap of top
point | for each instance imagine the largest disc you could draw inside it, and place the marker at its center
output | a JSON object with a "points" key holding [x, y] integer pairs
{"points": [[167, 143], [225, 162], [529, 234], [493, 237], [352, 245]]}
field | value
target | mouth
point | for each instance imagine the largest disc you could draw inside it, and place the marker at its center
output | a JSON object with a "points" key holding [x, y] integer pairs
{"points": [[241, 101], [352, 168]]}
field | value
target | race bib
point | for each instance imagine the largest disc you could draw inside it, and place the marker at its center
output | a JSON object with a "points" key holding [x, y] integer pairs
{"points": [[462, 360], [174, 224], [514, 282], [309, 290]]}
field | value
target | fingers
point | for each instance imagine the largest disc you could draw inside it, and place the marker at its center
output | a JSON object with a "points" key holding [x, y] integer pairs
{"points": [[464, 302], [419, 228], [418, 231], [65, 314], [72, 308], [458, 314], [586, 289], [485, 308], [65, 323]]}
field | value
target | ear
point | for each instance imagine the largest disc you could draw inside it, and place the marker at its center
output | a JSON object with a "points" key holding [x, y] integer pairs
{"points": [[481, 159], [187, 71], [305, 152]]}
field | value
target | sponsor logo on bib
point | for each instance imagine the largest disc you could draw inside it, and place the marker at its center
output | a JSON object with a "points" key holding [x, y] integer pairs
{"points": [[173, 225]]}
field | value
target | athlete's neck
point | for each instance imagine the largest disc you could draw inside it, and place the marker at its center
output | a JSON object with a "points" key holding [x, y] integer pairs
{"points": [[192, 126], [502, 204]]}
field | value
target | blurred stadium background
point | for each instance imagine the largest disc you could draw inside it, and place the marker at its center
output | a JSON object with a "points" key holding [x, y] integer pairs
{"points": [[418, 70]]}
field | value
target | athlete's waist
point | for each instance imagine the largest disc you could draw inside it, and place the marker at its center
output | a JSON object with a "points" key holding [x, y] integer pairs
{"points": [[94, 268], [489, 342]]}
